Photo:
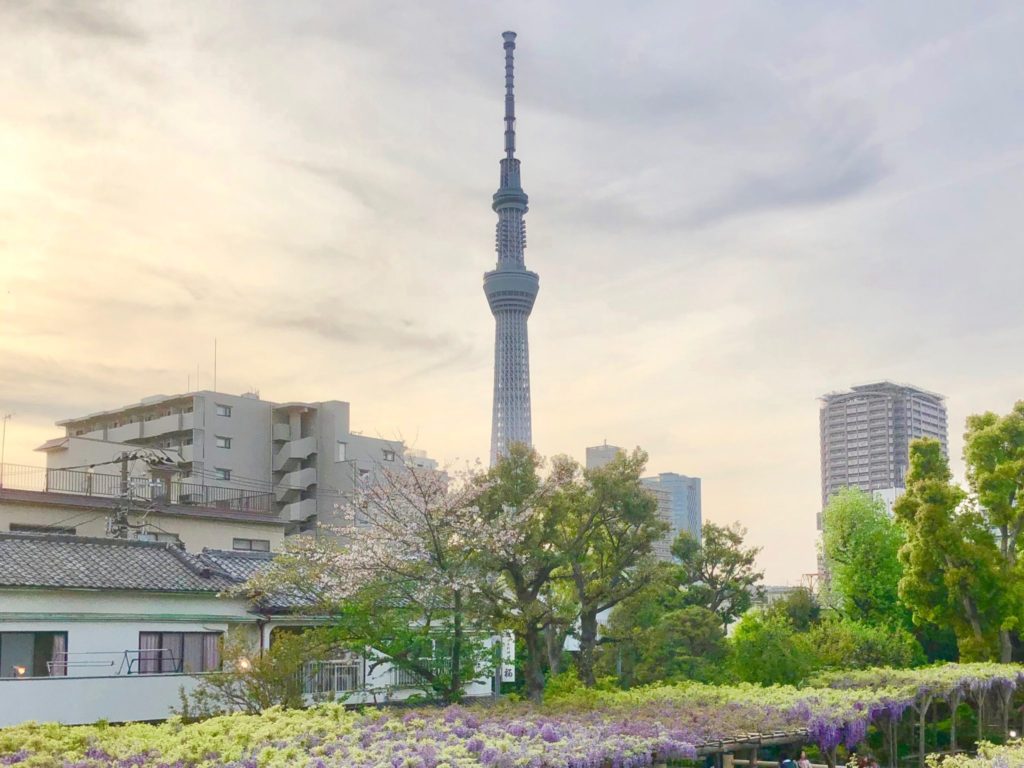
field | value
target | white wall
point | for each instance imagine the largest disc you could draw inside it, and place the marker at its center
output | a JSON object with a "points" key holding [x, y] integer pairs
{"points": [[78, 700]]}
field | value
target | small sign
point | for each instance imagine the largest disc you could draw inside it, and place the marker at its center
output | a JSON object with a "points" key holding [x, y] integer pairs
{"points": [[508, 657]]}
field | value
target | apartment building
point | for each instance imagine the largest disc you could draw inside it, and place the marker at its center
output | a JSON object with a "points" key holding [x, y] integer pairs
{"points": [[678, 497], [296, 459], [866, 433]]}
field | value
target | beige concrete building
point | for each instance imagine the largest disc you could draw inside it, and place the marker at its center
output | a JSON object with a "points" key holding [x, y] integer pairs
{"points": [[297, 460]]}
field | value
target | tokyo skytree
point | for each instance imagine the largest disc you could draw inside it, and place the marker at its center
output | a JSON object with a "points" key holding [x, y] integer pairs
{"points": [[511, 290]]}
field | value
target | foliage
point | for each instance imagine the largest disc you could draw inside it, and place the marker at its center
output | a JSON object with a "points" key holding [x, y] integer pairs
{"points": [[800, 607], [767, 650], [609, 528], [951, 574], [994, 454], [861, 544], [1009, 755], [251, 682], [398, 579], [516, 558], [654, 636], [586, 728], [843, 643], [717, 572]]}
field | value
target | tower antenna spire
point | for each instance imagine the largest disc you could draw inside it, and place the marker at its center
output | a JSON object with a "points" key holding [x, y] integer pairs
{"points": [[510, 96]]}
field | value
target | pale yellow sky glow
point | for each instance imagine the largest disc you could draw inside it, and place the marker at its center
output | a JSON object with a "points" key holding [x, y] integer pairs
{"points": [[734, 209]]}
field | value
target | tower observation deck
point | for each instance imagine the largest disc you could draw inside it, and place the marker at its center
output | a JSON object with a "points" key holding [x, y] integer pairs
{"points": [[511, 290]]}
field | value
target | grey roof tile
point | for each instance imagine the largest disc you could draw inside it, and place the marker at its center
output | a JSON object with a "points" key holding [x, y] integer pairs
{"points": [[76, 562]]}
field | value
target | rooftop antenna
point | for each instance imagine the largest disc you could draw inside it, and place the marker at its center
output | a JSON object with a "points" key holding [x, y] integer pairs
{"points": [[510, 99]]}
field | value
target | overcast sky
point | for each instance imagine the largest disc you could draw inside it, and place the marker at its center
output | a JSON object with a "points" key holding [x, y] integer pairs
{"points": [[735, 208]]}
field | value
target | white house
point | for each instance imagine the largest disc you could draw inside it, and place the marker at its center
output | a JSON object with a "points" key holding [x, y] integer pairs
{"points": [[113, 629]]}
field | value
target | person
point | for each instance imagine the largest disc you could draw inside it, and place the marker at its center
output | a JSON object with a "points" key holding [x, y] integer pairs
{"points": [[785, 761], [803, 762]]}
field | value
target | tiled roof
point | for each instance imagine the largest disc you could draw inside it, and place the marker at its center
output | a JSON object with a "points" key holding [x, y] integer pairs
{"points": [[77, 562], [243, 566]]}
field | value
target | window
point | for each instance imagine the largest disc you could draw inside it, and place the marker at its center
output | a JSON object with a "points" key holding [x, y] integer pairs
{"points": [[251, 545], [389, 455], [339, 450], [187, 652], [223, 442], [27, 528], [222, 474], [33, 654], [364, 472], [224, 410]]}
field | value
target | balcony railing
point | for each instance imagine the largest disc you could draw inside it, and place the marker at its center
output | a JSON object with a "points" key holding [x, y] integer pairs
{"points": [[331, 677], [144, 489]]}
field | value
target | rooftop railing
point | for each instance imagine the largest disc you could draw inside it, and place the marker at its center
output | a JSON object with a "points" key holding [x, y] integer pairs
{"points": [[144, 489]]}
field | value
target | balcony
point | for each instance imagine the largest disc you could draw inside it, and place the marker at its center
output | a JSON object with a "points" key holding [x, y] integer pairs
{"points": [[299, 511], [295, 482], [125, 432], [176, 422], [294, 450], [142, 488]]}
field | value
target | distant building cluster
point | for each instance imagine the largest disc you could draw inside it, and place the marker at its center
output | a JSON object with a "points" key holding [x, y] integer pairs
{"points": [[679, 501]]}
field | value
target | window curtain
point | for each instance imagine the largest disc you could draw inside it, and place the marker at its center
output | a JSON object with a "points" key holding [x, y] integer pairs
{"points": [[192, 653], [149, 655], [211, 651], [170, 656], [59, 656]]}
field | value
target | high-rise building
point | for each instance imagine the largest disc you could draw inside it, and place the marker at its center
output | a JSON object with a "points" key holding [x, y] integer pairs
{"points": [[866, 433], [678, 498], [511, 290], [680, 495], [237, 451], [599, 455]]}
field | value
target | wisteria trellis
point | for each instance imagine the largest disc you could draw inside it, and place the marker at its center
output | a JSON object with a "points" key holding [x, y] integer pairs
{"points": [[626, 729]]}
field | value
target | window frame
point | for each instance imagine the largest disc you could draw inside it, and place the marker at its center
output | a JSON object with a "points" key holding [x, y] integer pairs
{"points": [[223, 410], [222, 473], [252, 545], [222, 441], [167, 643]]}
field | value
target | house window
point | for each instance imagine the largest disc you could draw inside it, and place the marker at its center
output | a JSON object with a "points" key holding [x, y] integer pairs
{"points": [[389, 455], [180, 652], [340, 450], [251, 545], [28, 528], [224, 410], [222, 474], [223, 442], [33, 654]]}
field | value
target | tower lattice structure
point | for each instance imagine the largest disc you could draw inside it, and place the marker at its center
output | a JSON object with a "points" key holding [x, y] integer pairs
{"points": [[511, 290]]}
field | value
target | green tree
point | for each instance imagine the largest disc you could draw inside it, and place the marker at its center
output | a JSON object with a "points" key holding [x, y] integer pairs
{"points": [[608, 535], [951, 571], [653, 635], [861, 545], [517, 558], [767, 650], [718, 573], [800, 607], [844, 643], [994, 453]]}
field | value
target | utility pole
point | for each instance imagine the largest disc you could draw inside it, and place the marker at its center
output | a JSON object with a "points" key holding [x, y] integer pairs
{"points": [[119, 521], [3, 445]]}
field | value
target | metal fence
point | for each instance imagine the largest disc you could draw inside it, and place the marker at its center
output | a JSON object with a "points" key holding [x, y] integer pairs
{"points": [[331, 677], [145, 489]]}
